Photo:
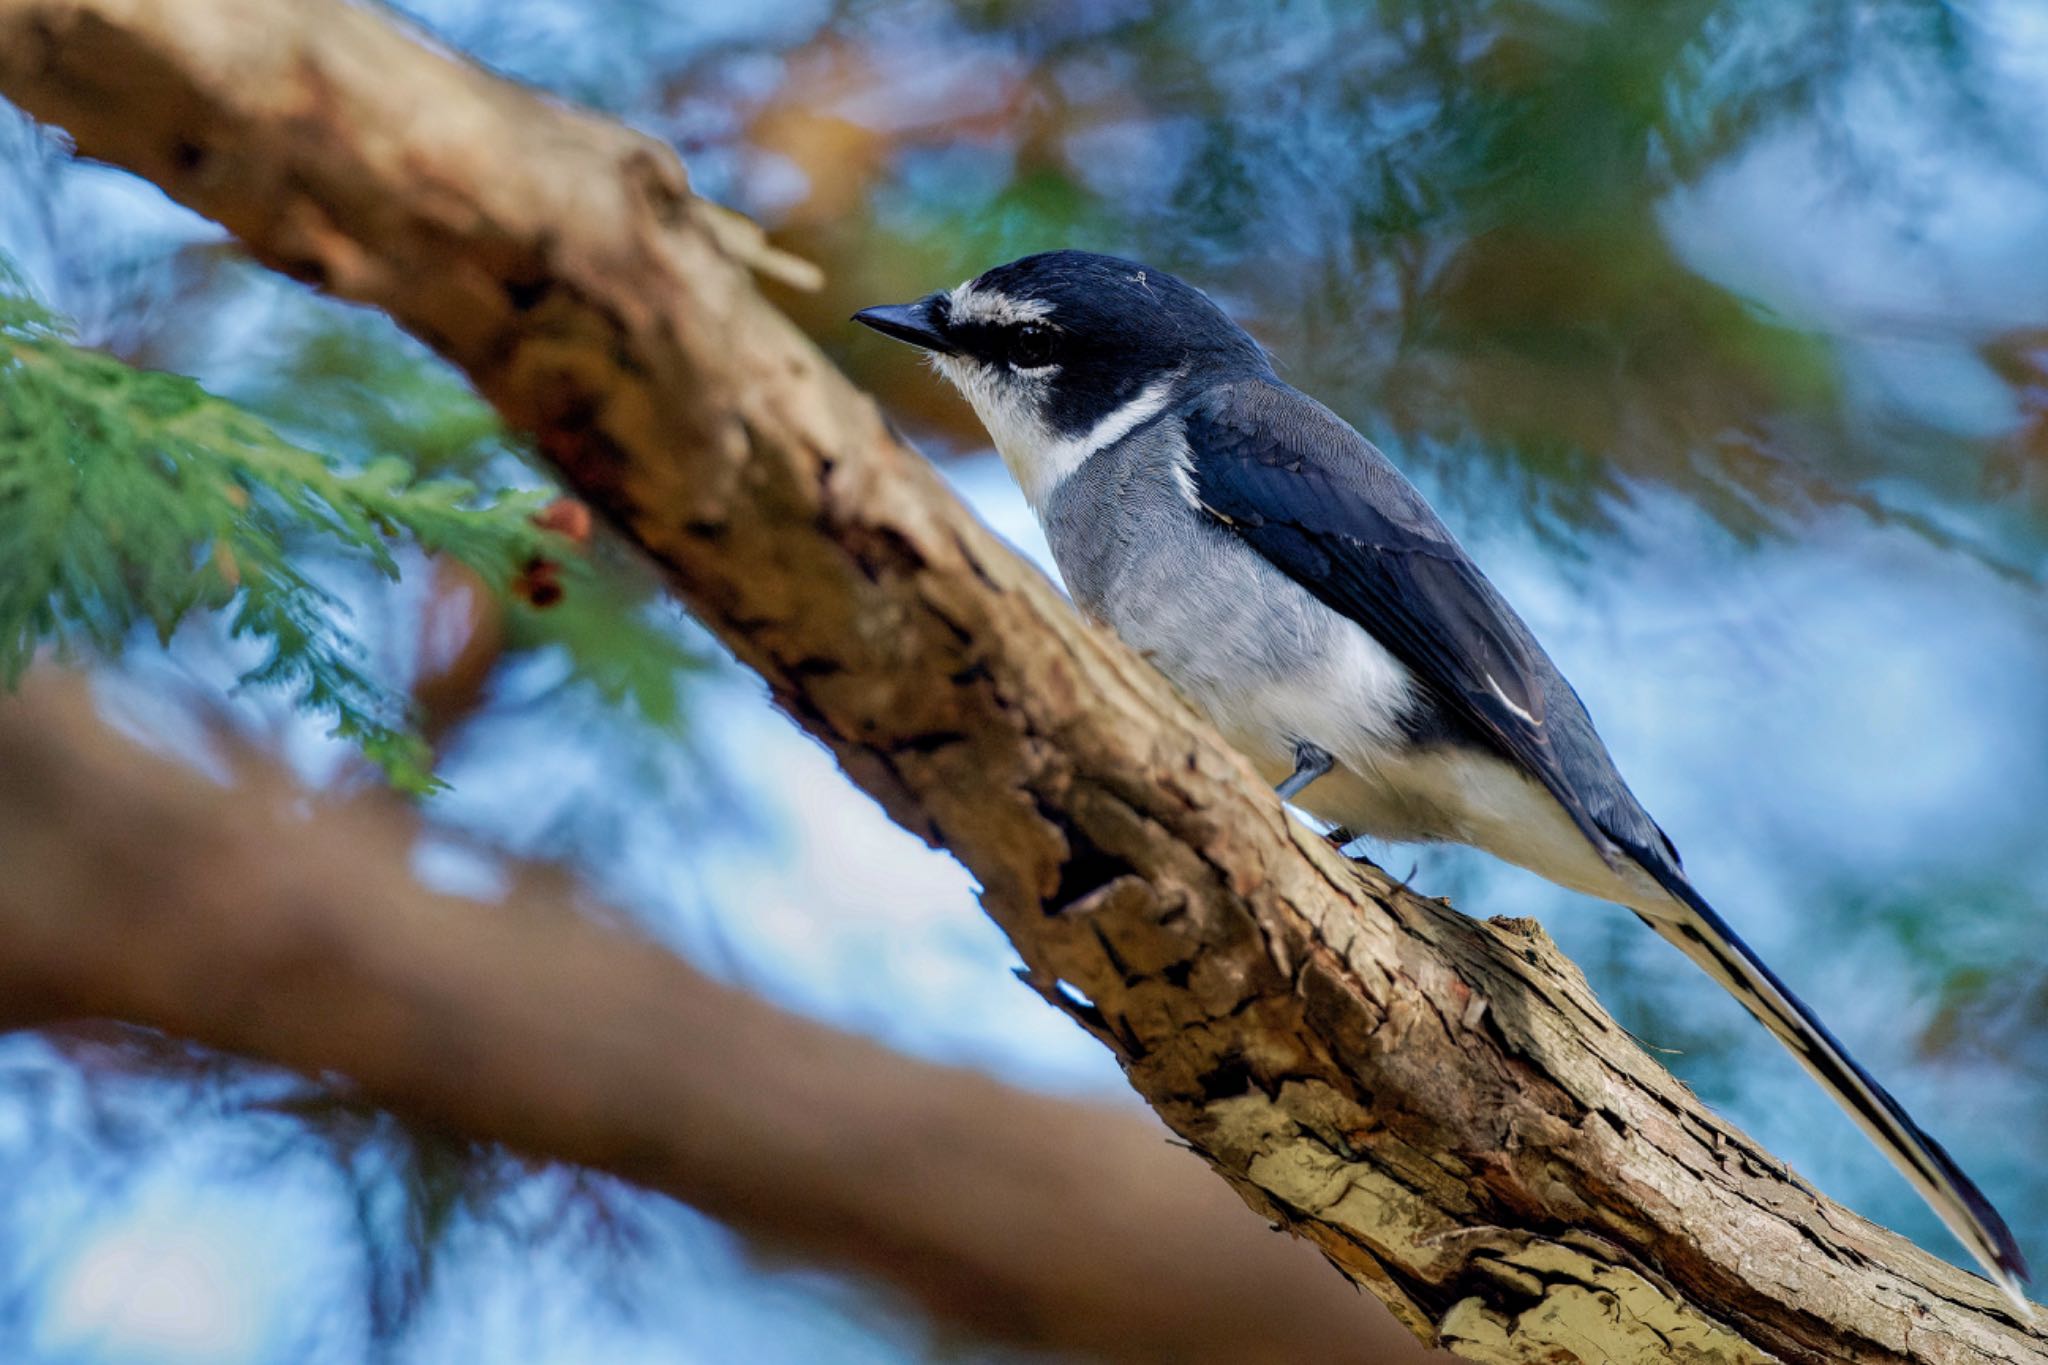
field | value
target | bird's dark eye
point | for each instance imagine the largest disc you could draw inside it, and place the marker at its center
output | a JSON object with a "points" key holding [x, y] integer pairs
{"points": [[1031, 346]]}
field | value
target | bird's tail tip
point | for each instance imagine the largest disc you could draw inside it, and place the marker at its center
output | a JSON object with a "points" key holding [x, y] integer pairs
{"points": [[1705, 937], [2012, 1279]]}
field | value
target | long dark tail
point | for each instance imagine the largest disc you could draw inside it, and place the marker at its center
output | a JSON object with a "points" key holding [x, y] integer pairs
{"points": [[1702, 935]]}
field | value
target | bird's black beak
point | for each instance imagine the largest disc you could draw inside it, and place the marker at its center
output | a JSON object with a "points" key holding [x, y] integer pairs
{"points": [[916, 323]]}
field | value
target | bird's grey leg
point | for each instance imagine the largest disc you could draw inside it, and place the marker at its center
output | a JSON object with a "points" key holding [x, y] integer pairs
{"points": [[1310, 763]]}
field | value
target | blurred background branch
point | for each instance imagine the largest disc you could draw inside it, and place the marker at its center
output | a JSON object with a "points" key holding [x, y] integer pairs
{"points": [[246, 917]]}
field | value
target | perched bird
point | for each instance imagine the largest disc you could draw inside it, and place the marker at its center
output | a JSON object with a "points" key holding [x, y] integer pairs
{"points": [[1286, 576]]}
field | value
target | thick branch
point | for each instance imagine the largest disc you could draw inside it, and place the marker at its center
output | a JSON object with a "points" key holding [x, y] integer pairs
{"points": [[1438, 1104], [138, 889]]}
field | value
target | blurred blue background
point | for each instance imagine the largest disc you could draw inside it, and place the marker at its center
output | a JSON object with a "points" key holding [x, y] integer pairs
{"points": [[1718, 331]]}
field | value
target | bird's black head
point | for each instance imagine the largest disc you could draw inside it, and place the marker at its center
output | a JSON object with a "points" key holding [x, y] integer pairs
{"points": [[1054, 348]]}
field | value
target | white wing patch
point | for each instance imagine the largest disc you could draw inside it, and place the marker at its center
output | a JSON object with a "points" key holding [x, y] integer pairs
{"points": [[1184, 480], [1493, 686]]}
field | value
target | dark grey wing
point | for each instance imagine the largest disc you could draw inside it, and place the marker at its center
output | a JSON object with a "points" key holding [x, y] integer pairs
{"points": [[1324, 506], [1317, 500]]}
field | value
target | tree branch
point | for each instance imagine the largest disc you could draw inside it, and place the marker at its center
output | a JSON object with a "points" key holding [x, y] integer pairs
{"points": [[1438, 1104], [139, 890]]}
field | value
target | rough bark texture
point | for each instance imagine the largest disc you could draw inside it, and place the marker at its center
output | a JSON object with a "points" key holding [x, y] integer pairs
{"points": [[244, 918], [1437, 1103]]}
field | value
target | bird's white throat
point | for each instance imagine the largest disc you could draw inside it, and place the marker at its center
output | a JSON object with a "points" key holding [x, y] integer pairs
{"points": [[1012, 405]]}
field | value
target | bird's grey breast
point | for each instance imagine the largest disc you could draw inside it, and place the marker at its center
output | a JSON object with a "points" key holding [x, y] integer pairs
{"points": [[1268, 661], [1137, 555]]}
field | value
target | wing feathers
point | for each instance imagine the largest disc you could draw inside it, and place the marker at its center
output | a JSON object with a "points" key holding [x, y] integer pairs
{"points": [[1325, 507], [1316, 499]]}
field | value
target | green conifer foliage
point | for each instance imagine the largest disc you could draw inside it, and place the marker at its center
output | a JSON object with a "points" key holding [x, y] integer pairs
{"points": [[132, 497]]}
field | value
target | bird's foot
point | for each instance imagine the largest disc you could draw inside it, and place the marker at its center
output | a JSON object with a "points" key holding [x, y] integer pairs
{"points": [[1310, 763]]}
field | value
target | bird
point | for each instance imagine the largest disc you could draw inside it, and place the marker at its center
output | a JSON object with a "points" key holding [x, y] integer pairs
{"points": [[1293, 584]]}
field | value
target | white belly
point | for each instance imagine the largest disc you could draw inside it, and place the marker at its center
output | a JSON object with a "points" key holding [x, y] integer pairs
{"points": [[1457, 795]]}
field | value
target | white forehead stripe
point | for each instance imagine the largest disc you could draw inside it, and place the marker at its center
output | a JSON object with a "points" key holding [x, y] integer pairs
{"points": [[1044, 470], [986, 305]]}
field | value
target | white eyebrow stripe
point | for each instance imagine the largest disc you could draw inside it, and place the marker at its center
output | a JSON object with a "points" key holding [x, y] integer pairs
{"points": [[973, 305], [1063, 457]]}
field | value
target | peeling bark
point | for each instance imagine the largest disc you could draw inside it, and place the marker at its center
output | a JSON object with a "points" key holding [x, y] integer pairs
{"points": [[261, 919], [1438, 1104]]}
